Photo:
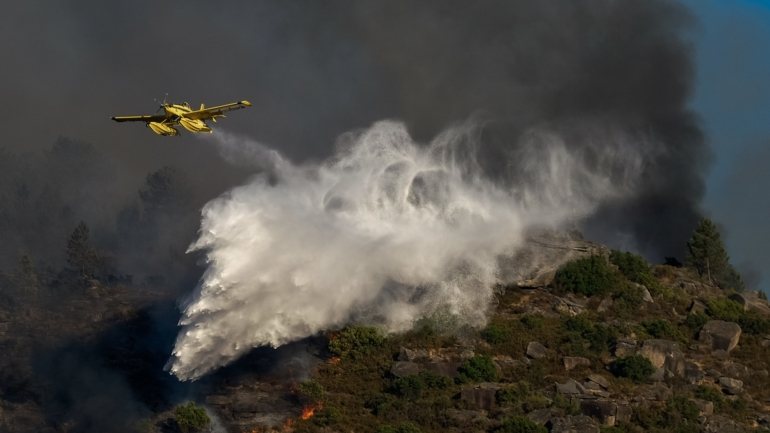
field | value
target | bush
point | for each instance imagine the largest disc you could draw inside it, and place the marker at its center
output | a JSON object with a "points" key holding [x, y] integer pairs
{"points": [[661, 328], [695, 321], [312, 390], [581, 329], [750, 322], [480, 368], [191, 418], [513, 394], [725, 309], [496, 333], [411, 387], [532, 321], [520, 424], [328, 416], [633, 267], [356, 341], [405, 427], [587, 276], [635, 367]]}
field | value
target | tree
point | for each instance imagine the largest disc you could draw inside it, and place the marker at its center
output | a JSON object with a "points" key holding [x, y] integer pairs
{"points": [[25, 278], [81, 256], [708, 256]]}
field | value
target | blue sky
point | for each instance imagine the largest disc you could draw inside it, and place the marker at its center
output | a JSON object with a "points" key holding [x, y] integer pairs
{"points": [[732, 96]]}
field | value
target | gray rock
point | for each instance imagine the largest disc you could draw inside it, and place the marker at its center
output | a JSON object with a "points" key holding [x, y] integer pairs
{"points": [[570, 387], [646, 296], [604, 305], [624, 347], [572, 362], [404, 368], [664, 354], [406, 354], [602, 410], [624, 413], [697, 307], [568, 307], [720, 335], [730, 385], [541, 416], [599, 379], [573, 424], [536, 350], [481, 396], [693, 373], [654, 392]]}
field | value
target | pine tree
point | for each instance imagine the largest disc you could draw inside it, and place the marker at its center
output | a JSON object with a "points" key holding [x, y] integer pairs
{"points": [[708, 256], [25, 278], [81, 256]]}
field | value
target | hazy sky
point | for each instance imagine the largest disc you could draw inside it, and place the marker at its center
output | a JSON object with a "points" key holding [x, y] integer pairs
{"points": [[733, 97]]}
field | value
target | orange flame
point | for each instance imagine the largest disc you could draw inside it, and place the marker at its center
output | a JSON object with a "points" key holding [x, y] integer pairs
{"points": [[309, 410]]}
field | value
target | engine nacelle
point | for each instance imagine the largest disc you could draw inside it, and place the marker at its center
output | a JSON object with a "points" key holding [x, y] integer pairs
{"points": [[194, 125], [162, 129]]}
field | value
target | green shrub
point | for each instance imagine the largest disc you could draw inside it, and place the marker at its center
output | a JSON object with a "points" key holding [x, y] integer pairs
{"points": [[532, 321], [750, 322], [480, 368], [695, 321], [328, 416], [581, 330], [520, 424], [661, 328], [356, 341], [496, 333], [513, 394], [312, 390], [634, 267], [412, 387], [191, 418], [405, 427], [635, 367], [587, 276], [725, 309]]}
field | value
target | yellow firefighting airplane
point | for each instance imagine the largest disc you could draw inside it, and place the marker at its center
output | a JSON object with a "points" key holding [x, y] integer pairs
{"points": [[182, 114]]}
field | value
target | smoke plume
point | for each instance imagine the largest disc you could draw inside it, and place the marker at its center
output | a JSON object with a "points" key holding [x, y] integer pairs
{"points": [[385, 232]]}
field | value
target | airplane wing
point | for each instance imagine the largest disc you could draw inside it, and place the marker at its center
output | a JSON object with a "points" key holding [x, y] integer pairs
{"points": [[219, 110], [144, 118]]}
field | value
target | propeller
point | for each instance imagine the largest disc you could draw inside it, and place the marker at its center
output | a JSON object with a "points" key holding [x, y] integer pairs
{"points": [[161, 104]]}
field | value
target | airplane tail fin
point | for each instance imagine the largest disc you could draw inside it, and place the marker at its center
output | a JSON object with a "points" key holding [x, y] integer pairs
{"points": [[202, 106]]}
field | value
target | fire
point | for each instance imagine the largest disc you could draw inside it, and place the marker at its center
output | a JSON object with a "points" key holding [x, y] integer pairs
{"points": [[309, 410]]}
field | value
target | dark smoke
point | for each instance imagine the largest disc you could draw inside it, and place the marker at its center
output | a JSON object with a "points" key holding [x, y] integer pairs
{"points": [[314, 70]]}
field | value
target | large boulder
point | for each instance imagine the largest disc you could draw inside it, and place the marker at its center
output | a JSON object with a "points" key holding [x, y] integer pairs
{"points": [[480, 396], [664, 354], [536, 350], [573, 362], [720, 335], [602, 410], [570, 387], [730, 385], [573, 424]]}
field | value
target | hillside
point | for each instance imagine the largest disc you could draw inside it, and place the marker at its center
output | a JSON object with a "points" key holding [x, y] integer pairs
{"points": [[581, 339], [675, 354]]}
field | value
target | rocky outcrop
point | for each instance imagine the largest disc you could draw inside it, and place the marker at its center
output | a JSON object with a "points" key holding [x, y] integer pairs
{"points": [[720, 335], [481, 396], [536, 350], [573, 424], [573, 362], [665, 355], [730, 385]]}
